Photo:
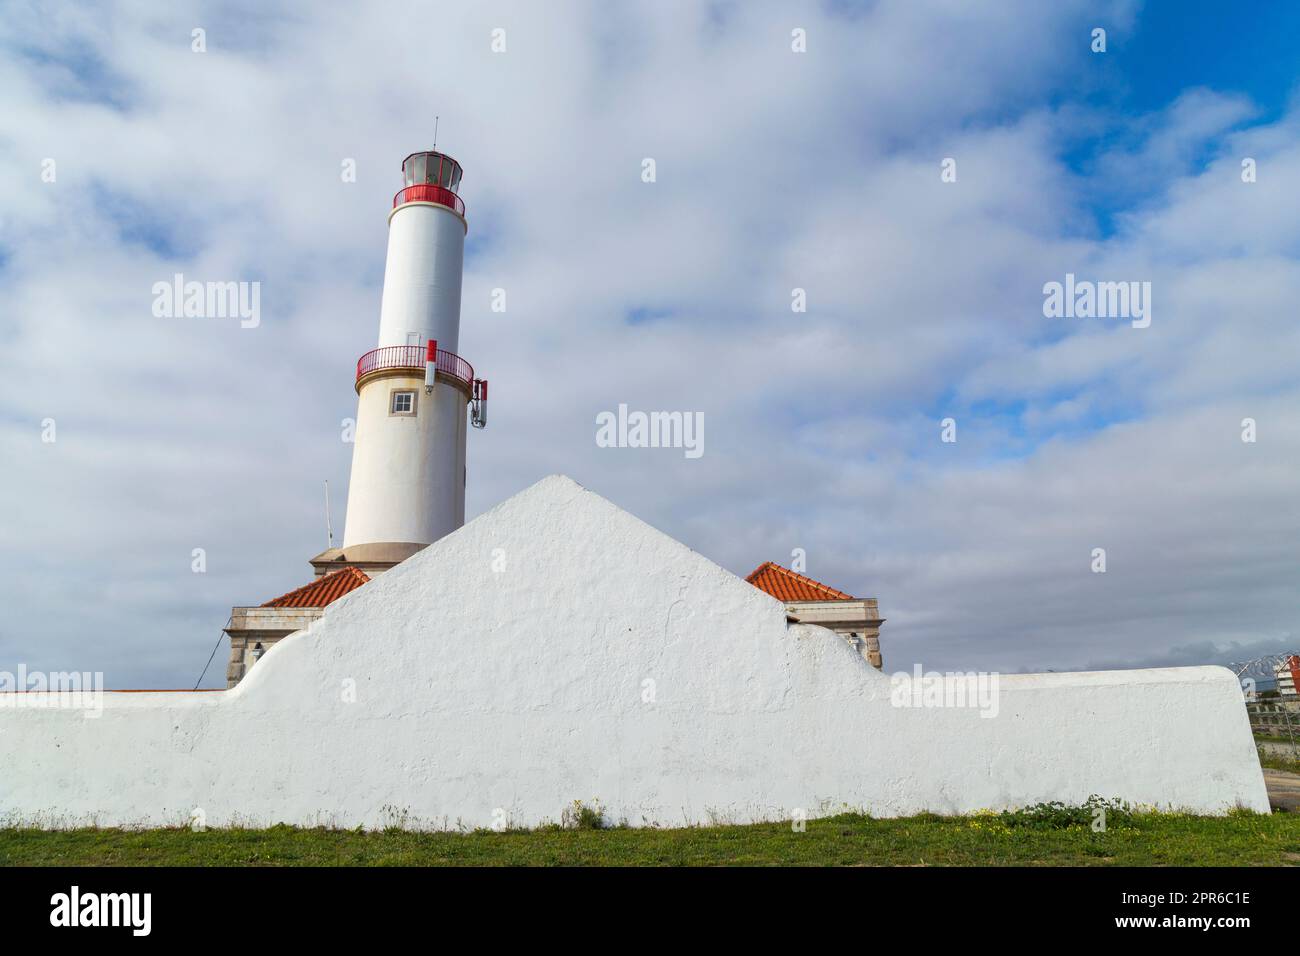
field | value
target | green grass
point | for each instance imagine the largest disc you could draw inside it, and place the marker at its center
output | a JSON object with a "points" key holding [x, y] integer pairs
{"points": [[1272, 762], [1274, 739], [1047, 835]]}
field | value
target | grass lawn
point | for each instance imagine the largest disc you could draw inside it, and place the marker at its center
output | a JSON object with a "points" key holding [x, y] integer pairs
{"points": [[1270, 762], [1049, 838]]}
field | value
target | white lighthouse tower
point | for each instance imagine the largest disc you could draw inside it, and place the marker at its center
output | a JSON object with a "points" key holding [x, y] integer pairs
{"points": [[408, 460]]}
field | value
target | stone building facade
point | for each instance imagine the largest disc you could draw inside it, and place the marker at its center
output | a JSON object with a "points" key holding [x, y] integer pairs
{"points": [[857, 620]]}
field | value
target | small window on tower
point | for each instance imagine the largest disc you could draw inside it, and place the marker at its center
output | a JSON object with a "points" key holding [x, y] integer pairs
{"points": [[402, 403]]}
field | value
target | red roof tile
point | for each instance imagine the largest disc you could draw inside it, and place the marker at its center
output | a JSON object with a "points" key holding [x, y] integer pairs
{"points": [[324, 590], [786, 585]]}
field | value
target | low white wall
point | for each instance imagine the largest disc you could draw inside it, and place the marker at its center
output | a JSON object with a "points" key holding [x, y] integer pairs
{"points": [[558, 649]]}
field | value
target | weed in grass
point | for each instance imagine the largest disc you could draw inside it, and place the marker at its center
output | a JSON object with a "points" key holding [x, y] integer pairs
{"points": [[579, 816], [1054, 815]]}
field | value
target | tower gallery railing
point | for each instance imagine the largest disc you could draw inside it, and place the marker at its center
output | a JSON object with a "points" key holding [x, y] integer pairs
{"points": [[411, 357], [428, 192]]}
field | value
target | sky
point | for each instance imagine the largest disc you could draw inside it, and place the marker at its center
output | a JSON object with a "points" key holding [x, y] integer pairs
{"points": [[776, 169]]}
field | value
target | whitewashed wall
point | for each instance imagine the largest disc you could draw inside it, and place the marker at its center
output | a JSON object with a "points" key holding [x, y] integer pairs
{"points": [[485, 694]]}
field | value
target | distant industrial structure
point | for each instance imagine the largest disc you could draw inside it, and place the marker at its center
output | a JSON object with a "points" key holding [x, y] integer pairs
{"points": [[1287, 672]]}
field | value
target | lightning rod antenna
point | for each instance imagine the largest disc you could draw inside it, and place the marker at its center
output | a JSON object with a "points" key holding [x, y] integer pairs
{"points": [[329, 529]]}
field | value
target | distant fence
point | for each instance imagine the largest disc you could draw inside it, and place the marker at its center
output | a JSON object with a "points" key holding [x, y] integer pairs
{"points": [[1275, 717], [1268, 685]]}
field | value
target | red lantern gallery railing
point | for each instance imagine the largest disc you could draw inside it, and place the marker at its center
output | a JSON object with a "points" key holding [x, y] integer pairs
{"points": [[428, 192], [411, 358]]}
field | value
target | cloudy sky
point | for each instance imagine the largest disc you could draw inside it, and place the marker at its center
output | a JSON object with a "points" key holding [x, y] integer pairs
{"points": [[775, 170]]}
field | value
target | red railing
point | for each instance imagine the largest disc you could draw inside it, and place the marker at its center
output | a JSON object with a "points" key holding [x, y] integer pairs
{"points": [[411, 357], [428, 192]]}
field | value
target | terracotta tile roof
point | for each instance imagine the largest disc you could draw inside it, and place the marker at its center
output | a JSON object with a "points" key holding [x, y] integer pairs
{"points": [[324, 590], [786, 585]]}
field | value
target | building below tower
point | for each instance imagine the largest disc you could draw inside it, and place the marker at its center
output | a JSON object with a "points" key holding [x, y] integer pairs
{"points": [[253, 630], [373, 559], [857, 620]]}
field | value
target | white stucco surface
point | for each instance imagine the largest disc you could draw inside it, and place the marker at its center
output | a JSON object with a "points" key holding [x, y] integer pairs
{"points": [[422, 277], [501, 674], [408, 472]]}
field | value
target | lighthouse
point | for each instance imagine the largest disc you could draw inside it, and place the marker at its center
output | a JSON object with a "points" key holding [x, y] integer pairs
{"points": [[413, 389]]}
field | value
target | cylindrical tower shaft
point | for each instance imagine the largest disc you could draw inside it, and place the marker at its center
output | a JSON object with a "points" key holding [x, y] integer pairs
{"points": [[421, 300], [408, 460]]}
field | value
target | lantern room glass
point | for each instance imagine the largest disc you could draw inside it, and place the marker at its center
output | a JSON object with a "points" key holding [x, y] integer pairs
{"points": [[432, 168]]}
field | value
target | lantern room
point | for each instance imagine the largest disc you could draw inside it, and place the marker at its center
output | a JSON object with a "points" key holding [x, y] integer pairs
{"points": [[432, 177], [436, 169]]}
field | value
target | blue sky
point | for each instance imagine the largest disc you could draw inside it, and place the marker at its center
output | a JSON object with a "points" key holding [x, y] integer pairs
{"points": [[1176, 45], [1173, 47], [776, 170]]}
